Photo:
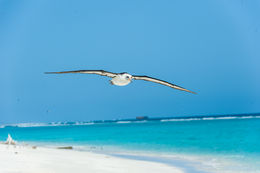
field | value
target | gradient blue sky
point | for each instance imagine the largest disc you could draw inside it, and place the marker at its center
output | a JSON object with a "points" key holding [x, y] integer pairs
{"points": [[210, 47]]}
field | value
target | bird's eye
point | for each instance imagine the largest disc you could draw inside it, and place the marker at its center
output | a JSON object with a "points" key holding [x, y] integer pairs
{"points": [[127, 77]]}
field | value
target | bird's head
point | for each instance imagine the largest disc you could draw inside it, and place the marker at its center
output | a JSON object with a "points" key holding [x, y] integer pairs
{"points": [[127, 76]]}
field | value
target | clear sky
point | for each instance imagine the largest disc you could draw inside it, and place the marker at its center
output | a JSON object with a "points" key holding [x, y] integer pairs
{"points": [[210, 47]]}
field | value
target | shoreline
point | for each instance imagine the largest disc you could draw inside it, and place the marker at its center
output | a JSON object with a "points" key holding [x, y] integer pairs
{"points": [[186, 166], [25, 159]]}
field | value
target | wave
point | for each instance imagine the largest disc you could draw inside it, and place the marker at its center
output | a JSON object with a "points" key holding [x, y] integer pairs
{"points": [[181, 119], [144, 121], [231, 117], [209, 118], [83, 123], [220, 118], [22, 125], [26, 125], [123, 122]]}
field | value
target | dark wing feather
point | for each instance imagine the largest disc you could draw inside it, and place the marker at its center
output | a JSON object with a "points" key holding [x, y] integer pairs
{"points": [[98, 72], [147, 78]]}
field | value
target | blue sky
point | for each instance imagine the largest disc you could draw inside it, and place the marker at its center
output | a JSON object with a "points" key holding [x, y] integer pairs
{"points": [[210, 47]]}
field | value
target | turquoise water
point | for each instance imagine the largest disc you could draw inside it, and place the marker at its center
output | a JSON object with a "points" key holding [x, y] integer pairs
{"points": [[235, 139]]}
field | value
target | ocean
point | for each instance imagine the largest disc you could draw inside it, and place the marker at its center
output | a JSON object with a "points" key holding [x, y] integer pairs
{"points": [[211, 144]]}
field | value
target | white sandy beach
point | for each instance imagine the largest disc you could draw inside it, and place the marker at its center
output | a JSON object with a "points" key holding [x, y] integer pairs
{"points": [[24, 159]]}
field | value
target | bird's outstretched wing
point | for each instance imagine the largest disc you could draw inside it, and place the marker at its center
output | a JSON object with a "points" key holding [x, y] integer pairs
{"points": [[147, 78], [98, 72]]}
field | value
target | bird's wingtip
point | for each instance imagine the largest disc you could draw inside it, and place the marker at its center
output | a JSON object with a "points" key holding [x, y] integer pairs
{"points": [[49, 72], [190, 91]]}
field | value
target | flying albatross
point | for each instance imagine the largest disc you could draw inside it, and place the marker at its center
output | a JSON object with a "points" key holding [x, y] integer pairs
{"points": [[122, 79]]}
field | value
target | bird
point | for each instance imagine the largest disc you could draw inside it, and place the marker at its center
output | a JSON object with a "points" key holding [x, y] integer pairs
{"points": [[124, 78]]}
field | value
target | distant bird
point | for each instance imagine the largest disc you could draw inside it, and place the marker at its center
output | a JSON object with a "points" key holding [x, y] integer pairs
{"points": [[122, 79]]}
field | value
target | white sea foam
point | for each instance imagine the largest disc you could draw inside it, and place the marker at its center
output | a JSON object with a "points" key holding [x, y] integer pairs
{"points": [[219, 118], [123, 122], [229, 118], [246, 117], [144, 121], [83, 123], [22, 125], [210, 118], [188, 119], [28, 125]]}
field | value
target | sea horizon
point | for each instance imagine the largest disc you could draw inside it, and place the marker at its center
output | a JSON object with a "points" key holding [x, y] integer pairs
{"points": [[137, 119]]}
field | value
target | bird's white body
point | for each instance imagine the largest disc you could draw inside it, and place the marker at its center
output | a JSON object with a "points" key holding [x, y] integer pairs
{"points": [[121, 79]]}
